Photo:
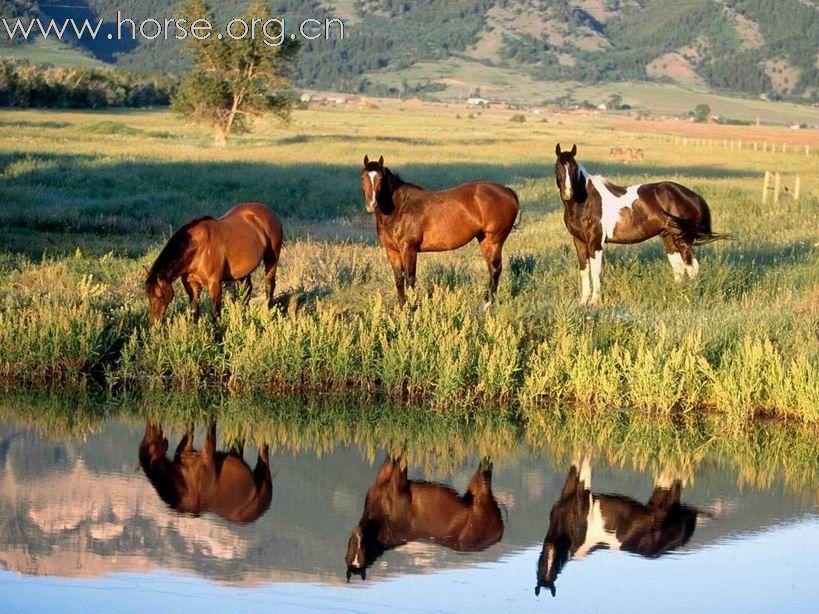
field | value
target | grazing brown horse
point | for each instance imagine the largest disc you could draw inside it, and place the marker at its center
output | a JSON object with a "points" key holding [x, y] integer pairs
{"points": [[207, 252], [410, 219], [582, 522], [195, 482], [597, 212], [398, 510]]}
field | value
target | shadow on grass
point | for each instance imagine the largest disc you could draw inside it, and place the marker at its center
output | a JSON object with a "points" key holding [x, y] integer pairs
{"points": [[65, 194]]}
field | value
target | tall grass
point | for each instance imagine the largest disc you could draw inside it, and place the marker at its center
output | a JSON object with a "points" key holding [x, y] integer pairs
{"points": [[741, 340]]}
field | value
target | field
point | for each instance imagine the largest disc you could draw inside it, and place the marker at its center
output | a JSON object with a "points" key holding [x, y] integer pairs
{"points": [[88, 199]]}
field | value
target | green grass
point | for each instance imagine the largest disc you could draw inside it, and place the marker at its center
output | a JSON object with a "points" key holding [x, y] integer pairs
{"points": [[436, 441], [44, 51], [740, 341]]}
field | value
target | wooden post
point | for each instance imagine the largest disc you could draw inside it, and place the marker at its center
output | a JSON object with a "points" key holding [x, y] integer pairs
{"points": [[783, 147], [797, 186], [765, 147], [807, 150], [777, 187], [766, 184], [739, 144], [754, 145]]}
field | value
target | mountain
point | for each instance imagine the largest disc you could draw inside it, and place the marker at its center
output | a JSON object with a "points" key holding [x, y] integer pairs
{"points": [[753, 47]]}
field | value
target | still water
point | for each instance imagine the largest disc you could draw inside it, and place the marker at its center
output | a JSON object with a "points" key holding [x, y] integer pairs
{"points": [[127, 513]]}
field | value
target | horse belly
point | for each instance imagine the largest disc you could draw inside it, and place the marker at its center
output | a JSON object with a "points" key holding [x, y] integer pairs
{"points": [[633, 224], [447, 231]]}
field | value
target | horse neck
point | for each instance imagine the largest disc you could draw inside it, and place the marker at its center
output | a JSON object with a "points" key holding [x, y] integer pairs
{"points": [[391, 195]]}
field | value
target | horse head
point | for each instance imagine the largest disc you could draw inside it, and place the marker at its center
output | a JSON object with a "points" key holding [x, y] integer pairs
{"points": [[372, 178], [160, 294], [568, 175]]}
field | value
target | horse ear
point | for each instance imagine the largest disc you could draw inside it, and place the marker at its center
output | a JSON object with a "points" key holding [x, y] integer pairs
{"points": [[574, 150], [381, 162], [557, 149], [366, 159]]}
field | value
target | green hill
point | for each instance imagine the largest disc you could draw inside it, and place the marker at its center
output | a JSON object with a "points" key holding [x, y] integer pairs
{"points": [[752, 47]]}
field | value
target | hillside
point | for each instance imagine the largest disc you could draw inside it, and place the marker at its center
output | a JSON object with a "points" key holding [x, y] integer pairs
{"points": [[752, 47]]}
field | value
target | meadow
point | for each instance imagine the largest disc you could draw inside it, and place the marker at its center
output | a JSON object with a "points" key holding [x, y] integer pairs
{"points": [[88, 198]]}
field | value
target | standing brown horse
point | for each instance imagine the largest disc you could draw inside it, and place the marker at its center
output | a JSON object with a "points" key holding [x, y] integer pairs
{"points": [[398, 510], [410, 219], [208, 251], [201, 481]]}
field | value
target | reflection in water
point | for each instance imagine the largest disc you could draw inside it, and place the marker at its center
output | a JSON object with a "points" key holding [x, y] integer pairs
{"points": [[206, 480], [398, 511], [582, 522]]}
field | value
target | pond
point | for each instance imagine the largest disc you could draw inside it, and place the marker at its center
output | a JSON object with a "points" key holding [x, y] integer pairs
{"points": [[137, 506]]}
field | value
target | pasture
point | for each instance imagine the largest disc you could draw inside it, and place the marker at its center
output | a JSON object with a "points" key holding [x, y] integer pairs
{"points": [[88, 198]]}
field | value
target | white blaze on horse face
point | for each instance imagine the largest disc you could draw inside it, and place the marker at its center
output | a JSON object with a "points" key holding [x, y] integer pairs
{"points": [[596, 263], [596, 532], [677, 265], [568, 191], [613, 205], [372, 175]]}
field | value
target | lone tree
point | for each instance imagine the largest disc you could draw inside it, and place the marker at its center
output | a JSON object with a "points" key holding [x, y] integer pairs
{"points": [[233, 81], [701, 113]]}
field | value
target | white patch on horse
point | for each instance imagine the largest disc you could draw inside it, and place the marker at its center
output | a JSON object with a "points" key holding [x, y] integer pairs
{"points": [[613, 205], [596, 268], [677, 265], [372, 175], [596, 533], [585, 280], [693, 268]]}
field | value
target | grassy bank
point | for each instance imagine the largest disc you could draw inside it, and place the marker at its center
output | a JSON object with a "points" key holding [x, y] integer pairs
{"points": [[741, 340]]}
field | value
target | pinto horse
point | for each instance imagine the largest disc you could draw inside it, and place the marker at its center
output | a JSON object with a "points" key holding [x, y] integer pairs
{"points": [[208, 251], [410, 219], [198, 481], [398, 511], [597, 211], [582, 522]]}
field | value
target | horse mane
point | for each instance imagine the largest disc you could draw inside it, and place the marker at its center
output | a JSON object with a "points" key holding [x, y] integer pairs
{"points": [[174, 249], [396, 181]]}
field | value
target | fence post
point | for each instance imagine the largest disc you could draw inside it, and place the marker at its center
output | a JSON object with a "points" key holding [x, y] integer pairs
{"points": [[765, 186], [807, 150], [754, 145], [797, 186], [777, 187], [765, 147]]}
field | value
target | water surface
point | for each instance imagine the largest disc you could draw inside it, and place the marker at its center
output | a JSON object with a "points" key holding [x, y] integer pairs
{"points": [[95, 515]]}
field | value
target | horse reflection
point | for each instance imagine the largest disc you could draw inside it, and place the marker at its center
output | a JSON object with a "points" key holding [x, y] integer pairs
{"points": [[582, 522], [398, 511], [198, 481]]}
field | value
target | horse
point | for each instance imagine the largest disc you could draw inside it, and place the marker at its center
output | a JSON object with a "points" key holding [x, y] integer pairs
{"points": [[597, 212], [398, 511], [195, 482], [207, 251], [582, 522], [410, 219]]}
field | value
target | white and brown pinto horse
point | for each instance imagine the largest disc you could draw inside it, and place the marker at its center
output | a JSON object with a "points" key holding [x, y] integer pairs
{"points": [[597, 212], [410, 219], [582, 522]]}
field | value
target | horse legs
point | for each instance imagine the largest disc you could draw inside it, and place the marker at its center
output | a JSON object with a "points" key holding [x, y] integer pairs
{"points": [[215, 291], [398, 273], [271, 265], [583, 259], [492, 251], [681, 256], [193, 289], [409, 259]]}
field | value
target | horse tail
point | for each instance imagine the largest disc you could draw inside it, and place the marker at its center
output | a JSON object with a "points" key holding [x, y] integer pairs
{"points": [[697, 233], [519, 216]]}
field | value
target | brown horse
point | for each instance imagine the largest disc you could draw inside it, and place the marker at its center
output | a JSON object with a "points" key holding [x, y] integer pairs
{"points": [[201, 481], [398, 510], [208, 251], [582, 522], [409, 219]]}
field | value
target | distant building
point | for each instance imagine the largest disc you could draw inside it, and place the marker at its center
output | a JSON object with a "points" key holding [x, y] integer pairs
{"points": [[477, 102]]}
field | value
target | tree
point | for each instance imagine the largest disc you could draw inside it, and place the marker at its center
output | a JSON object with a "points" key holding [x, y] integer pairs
{"points": [[234, 81], [615, 102], [701, 113]]}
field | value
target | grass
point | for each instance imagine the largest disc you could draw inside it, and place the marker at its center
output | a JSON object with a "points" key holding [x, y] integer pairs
{"points": [[436, 442], [83, 211]]}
